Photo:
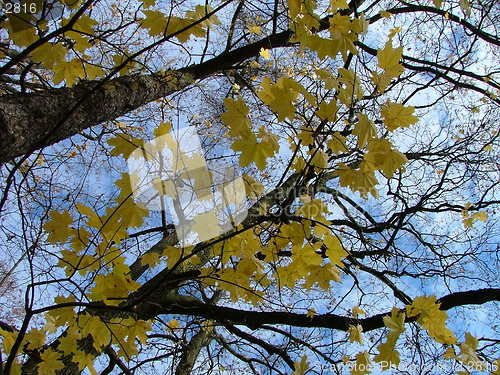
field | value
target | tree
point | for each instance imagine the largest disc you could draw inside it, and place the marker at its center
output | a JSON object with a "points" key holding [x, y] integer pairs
{"points": [[361, 231]]}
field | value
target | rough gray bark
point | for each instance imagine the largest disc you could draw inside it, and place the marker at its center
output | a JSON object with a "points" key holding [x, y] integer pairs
{"points": [[29, 121]]}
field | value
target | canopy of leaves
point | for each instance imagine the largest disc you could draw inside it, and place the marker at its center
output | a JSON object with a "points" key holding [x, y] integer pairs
{"points": [[249, 186]]}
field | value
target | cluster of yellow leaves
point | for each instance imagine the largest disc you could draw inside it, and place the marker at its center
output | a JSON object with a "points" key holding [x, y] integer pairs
{"points": [[254, 149], [281, 96], [469, 219], [157, 23], [344, 31], [429, 316], [89, 328], [355, 333], [115, 286], [381, 156], [82, 328], [55, 56], [361, 180], [468, 353], [388, 355]]}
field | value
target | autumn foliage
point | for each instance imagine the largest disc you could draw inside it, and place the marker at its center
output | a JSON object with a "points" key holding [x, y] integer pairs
{"points": [[358, 225]]}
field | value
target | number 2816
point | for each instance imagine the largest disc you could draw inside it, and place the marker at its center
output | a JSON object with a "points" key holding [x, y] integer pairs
{"points": [[9, 8]]}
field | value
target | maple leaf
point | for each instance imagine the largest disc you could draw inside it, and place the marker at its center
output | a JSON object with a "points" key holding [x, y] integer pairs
{"points": [[431, 318], [163, 128], [310, 313], [362, 180], [58, 226], [356, 311], [8, 339], [69, 72], [320, 159], [124, 145], [49, 54], [337, 143], [155, 22], [255, 29], [321, 275], [306, 136], [383, 157], [236, 117], [301, 367], [51, 362], [388, 59], [173, 324], [397, 115], [362, 365], [254, 151], [341, 31], [364, 130], [265, 53], [387, 356], [327, 111], [34, 339], [279, 96], [351, 90], [21, 30], [355, 333], [253, 188]]}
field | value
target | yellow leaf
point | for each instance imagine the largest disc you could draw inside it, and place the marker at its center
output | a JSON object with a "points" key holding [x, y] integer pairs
{"points": [[385, 14], [362, 365], [256, 152], [123, 59], [310, 313], [428, 314], [150, 259], [68, 71], [162, 129], [356, 311], [21, 31], [124, 145], [388, 59], [362, 180], [59, 226], [49, 54], [8, 339], [336, 143], [364, 130], [34, 339], [236, 117], [355, 333], [381, 156], [253, 188], [265, 53], [280, 96], [50, 364], [301, 367], [173, 324], [255, 29], [320, 159], [388, 356], [327, 111], [396, 115]]}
